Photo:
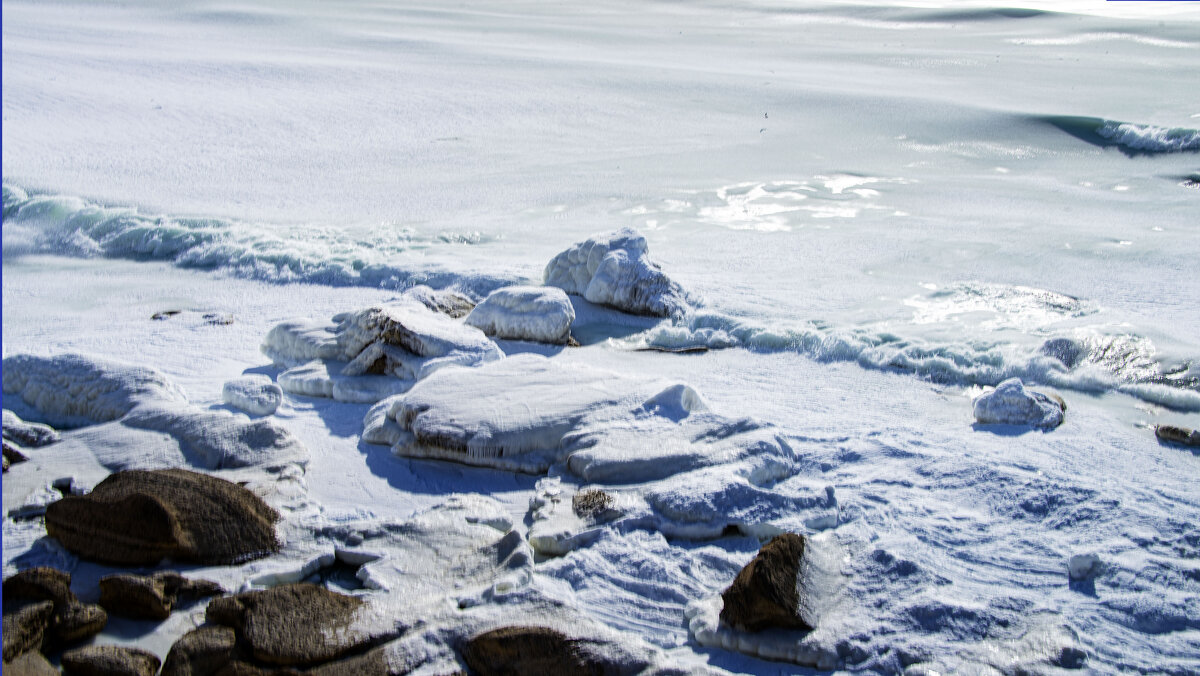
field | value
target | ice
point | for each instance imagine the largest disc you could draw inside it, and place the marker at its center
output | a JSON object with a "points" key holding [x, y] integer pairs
{"points": [[1011, 404], [539, 314], [327, 379], [254, 394], [615, 269]]}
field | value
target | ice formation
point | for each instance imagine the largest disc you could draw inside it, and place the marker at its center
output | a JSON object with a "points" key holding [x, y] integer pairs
{"points": [[1011, 404], [615, 269], [538, 313], [254, 394]]}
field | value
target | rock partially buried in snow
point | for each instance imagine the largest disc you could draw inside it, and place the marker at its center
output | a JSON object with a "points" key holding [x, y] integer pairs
{"points": [[1178, 435], [536, 650], [151, 597], [770, 591], [108, 660], [614, 269], [139, 517], [1012, 404], [27, 434], [1083, 566], [537, 313], [255, 394], [450, 303]]}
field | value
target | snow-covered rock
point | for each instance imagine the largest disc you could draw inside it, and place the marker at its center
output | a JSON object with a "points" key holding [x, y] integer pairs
{"points": [[27, 433], [538, 313], [450, 303], [1012, 404], [254, 394], [615, 269]]}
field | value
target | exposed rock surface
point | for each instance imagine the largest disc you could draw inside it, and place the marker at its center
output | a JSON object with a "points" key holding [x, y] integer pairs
{"points": [[511, 651], [76, 622], [768, 592], [1178, 435], [1012, 404], [201, 652], [109, 660], [138, 517], [151, 597], [614, 269], [26, 433], [450, 303], [25, 628], [40, 584], [541, 314], [31, 663], [13, 454]]}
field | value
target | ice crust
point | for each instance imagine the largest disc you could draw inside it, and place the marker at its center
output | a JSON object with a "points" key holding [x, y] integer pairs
{"points": [[1012, 404], [615, 269], [255, 394], [537, 313]]}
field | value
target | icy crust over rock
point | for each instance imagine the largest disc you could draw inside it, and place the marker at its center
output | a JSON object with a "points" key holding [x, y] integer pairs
{"points": [[254, 394], [73, 390], [368, 354], [27, 433], [136, 418], [615, 269], [536, 313], [1012, 404]]}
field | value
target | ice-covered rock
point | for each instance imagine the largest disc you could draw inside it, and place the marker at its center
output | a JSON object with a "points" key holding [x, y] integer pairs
{"points": [[73, 390], [1012, 404], [614, 269], [297, 341], [1178, 435], [1083, 566], [450, 303], [27, 433], [541, 314], [254, 394]]}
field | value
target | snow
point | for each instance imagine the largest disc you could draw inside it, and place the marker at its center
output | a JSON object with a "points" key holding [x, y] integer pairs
{"points": [[27, 433], [615, 269], [254, 394], [1012, 404], [539, 314]]}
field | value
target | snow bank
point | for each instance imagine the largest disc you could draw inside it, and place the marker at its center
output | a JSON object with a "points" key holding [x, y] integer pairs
{"points": [[1011, 404], [537, 313], [615, 269], [254, 394]]}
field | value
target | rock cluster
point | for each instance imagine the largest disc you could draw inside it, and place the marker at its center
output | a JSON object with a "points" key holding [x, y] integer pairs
{"points": [[68, 621], [151, 597]]}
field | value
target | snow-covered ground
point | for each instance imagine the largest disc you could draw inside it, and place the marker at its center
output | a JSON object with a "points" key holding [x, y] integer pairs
{"points": [[870, 214]]}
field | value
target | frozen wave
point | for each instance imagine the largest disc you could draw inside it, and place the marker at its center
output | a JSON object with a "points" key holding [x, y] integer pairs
{"points": [[1130, 138], [72, 226]]}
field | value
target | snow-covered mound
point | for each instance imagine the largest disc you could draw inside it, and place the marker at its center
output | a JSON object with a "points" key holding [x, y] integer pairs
{"points": [[254, 394], [27, 433], [371, 353], [615, 269], [1012, 404], [538, 313]]}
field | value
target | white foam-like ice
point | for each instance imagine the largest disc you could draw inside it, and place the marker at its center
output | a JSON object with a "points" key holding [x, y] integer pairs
{"points": [[254, 394], [537, 313], [1150, 138], [615, 269]]}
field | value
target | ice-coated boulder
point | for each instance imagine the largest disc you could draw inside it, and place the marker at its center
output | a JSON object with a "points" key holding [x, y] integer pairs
{"points": [[450, 303], [614, 269], [1012, 404], [27, 433], [254, 394], [540, 314]]}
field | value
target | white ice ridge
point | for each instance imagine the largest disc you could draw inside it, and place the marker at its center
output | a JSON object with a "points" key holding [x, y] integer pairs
{"points": [[254, 394], [538, 313], [135, 417], [615, 269], [1150, 138], [1012, 404], [371, 353]]}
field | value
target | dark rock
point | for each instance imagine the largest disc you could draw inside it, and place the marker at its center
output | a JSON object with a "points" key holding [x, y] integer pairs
{"points": [[295, 624], [109, 660], [371, 663], [5, 460], [769, 591], [1067, 351], [151, 597], [13, 454], [201, 652], [40, 584], [165, 314], [76, 622], [138, 517], [24, 629], [1178, 435], [513, 651], [591, 503], [31, 663]]}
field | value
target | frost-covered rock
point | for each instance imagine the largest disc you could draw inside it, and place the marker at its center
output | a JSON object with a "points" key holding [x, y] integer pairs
{"points": [[73, 390], [450, 303], [254, 394], [297, 341], [538, 313], [1083, 566], [614, 269], [1178, 435], [1012, 404], [27, 433]]}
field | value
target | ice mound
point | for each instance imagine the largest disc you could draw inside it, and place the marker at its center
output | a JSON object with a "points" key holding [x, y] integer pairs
{"points": [[614, 269], [372, 353], [1011, 404], [537, 313], [254, 394]]}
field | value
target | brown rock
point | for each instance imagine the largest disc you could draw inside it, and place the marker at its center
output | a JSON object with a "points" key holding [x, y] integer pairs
{"points": [[769, 592], [514, 651], [1178, 435], [25, 628], [31, 663], [295, 624], [40, 584], [151, 597], [201, 652], [137, 517], [591, 503], [370, 663], [13, 454], [109, 660], [76, 622]]}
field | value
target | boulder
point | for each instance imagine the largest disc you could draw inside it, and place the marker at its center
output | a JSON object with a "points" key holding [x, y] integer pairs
{"points": [[1012, 404], [541, 314], [13, 454], [201, 652], [450, 303], [615, 269], [1178, 435], [513, 651], [138, 517], [109, 660], [27, 434], [31, 663], [24, 629], [151, 597], [769, 592], [40, 584], [76, 622]]}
